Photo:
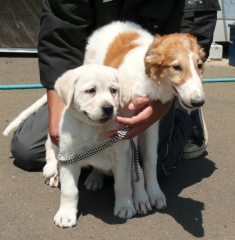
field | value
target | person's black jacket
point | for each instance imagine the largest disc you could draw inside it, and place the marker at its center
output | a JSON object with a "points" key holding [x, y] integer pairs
{"points": [[65, 26]]}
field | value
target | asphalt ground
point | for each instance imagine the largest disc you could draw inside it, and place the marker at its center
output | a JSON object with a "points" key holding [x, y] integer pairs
{"points": [[200, 193]]}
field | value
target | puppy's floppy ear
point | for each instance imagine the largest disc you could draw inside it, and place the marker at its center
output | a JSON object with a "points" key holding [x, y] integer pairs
{"points": [[124, 90], [202, 53], [154, 58], [65, 86], [153, 62]]}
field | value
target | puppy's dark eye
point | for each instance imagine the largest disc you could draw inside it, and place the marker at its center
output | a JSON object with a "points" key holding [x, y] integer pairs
{"points": [[113, 90], [177, 67], [199, 65], [90, 91]]}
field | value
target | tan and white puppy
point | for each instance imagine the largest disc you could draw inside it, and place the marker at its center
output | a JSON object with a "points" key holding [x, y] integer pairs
{"points": [[93, 95], [156, 67]]}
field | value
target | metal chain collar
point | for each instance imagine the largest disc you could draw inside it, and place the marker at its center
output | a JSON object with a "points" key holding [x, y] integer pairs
{"points": [[119, 136]]}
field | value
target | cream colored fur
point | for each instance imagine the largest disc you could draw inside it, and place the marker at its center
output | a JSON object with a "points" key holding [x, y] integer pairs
{"points": [[84, 125]]}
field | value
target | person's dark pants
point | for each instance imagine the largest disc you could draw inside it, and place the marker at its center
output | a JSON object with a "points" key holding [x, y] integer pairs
{"points": [[28, 142], [174, 131]]}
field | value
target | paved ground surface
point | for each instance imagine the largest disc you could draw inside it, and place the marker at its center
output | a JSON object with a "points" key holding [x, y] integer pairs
{"points": [[200, 193]]}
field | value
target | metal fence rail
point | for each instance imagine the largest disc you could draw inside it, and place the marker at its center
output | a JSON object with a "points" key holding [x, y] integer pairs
{"points": [[39, 86]]}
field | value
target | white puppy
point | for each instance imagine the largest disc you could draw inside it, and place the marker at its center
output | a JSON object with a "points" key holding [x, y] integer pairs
{"points": [[94, 95]]}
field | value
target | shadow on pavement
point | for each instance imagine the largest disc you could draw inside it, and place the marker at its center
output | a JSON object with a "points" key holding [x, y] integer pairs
{"points": [[186, 211], [16, 164]]}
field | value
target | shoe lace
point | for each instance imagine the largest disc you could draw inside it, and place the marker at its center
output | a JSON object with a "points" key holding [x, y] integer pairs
{"points": [[190, 140]]}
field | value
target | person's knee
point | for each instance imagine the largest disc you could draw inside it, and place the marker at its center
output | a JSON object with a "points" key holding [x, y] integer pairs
{"points": [[26, 155]]}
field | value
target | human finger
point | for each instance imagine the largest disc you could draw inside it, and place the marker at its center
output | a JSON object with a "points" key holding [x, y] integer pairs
{"points": [[139, 103], [141, 117]]}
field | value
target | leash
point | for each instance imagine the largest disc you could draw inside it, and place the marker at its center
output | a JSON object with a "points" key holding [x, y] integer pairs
{"points": [[116, 138]]}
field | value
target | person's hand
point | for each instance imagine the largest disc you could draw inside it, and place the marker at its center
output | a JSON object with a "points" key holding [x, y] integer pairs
{"points": [[149, 113], [55, 107]]}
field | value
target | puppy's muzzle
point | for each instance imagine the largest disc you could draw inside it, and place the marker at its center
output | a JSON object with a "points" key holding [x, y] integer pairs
{"points": [[107, 109], [197, 103]]}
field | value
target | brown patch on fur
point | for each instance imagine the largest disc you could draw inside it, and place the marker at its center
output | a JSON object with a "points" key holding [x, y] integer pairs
{"points": [[118, 49], [169, 49]]}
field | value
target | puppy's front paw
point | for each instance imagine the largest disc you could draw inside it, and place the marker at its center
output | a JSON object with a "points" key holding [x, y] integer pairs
{"points": [[141, 202], [124, 210], [66, 218], [50, 169], [95, 180], [50, 172], [53, 181], [157, 198]]}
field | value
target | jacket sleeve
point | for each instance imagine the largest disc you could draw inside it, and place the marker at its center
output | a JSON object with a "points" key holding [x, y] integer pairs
{"points": [[62, 37]]}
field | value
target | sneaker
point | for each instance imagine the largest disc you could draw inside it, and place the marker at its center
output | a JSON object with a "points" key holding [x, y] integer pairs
{"points": [[198, 142]]}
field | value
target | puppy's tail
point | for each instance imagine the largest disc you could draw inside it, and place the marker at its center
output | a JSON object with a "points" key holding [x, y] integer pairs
{"points": [[27, 112]]}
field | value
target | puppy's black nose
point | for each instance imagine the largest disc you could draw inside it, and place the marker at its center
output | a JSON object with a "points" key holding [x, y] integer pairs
{"points": [[197, 103], [107, 109]]}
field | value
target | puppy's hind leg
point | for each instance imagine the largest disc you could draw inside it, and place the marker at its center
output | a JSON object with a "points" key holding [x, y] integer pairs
{"points": [[148, 150], [50, 170], [95, 180]]}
